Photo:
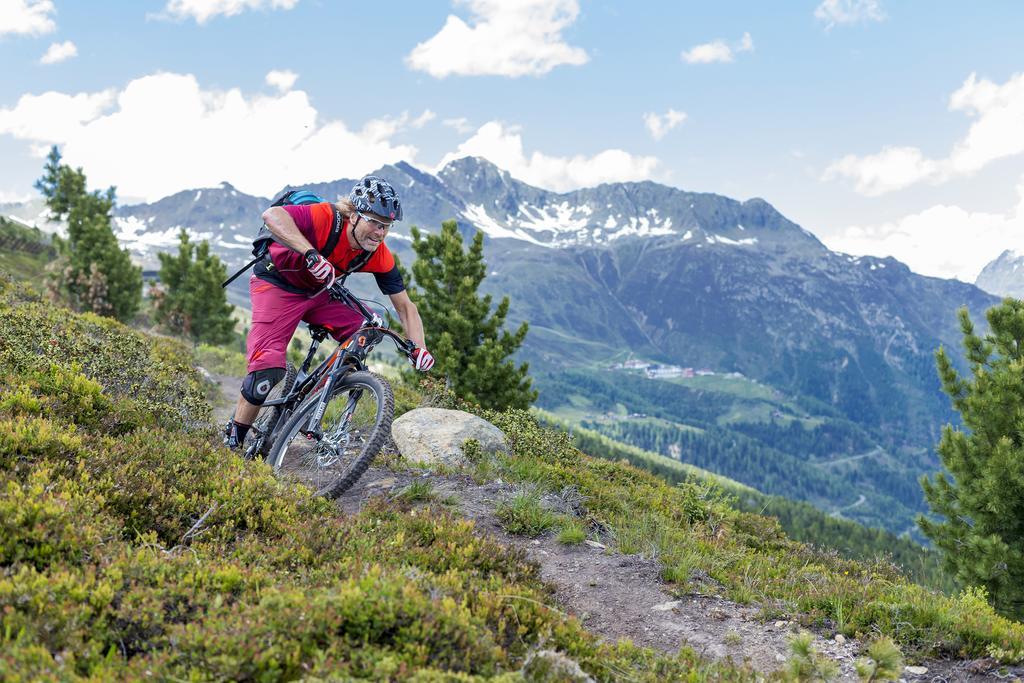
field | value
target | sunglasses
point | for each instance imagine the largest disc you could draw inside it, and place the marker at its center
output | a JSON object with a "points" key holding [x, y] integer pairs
{"points": [[373, 221]]}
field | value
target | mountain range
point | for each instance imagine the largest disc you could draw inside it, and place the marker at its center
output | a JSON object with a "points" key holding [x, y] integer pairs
{"points": [[1004, 276], [794, 333]]}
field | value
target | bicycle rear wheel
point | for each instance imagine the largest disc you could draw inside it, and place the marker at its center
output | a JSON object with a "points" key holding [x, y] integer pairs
{"points": [[268, 419], [355, 426]]}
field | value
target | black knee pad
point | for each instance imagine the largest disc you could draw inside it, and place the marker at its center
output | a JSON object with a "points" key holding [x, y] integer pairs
{"points": [[257, 384]]}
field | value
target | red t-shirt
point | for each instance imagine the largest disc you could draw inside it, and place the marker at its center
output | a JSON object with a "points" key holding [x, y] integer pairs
{"points": [[314, 222]]}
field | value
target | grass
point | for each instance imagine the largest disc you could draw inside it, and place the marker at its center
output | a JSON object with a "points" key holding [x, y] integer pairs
{"points": [[694, 531], [220, 359], [417, 491], [24, 265], [740, 387], [572, 532], [525, 516]]}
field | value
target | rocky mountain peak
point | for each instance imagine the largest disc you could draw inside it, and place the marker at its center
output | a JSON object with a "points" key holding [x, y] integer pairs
{"points": [[1004, 276]]}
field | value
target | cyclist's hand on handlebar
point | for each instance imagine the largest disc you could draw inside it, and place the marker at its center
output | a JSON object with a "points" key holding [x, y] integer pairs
{"points": [[421, 359], [319, 267]]}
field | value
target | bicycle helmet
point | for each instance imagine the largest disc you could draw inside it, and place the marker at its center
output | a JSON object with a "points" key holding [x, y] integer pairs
{"points": [[375, 195]]}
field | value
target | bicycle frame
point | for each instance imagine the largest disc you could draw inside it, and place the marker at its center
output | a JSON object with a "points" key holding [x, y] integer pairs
{"points": [[349, 356]]}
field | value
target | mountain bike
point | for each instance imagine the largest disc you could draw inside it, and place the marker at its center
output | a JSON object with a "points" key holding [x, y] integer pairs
{"points": [[324, 426]]}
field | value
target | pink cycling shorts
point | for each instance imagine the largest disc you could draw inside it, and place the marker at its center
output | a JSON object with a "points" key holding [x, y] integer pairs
{"points": [[276, 313]]}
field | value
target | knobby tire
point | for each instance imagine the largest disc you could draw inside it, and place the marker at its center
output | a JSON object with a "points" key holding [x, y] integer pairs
{"points": [[374, 435]]}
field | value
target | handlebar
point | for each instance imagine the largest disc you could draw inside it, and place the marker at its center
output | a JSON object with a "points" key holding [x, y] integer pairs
{"points": [[339, 292]]}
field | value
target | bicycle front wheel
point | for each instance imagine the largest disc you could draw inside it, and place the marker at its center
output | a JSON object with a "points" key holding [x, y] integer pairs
{"points": [[355, 426]]}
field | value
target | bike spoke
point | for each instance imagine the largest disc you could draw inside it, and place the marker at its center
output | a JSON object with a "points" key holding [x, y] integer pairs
{"points": [[319, 455]]}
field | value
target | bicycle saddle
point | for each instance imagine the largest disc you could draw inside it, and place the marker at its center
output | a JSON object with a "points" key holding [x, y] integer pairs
{"points": [[318, 332]]}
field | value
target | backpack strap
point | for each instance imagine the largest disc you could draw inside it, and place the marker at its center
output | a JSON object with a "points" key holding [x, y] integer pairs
{"points": [[358, 262], [337, 227], [244, 268]]}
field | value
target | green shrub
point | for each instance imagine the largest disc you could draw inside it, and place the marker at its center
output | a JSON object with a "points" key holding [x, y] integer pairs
{"points": [[883, 663], [805, 664], [221, 359], [133, 547]]}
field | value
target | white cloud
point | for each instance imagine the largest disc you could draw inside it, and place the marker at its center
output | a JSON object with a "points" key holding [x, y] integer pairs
{"points": [[503, 146], [834, 12], [282, 79], [659, 124], [13, 197], [58, 52], [507, 38], [998, 129], [717, 51], [423, 119], [204, 10], [53, 117], [942, 241], [461, 125], [163, 133], [891, 169], [997, 132], [27, 17]]}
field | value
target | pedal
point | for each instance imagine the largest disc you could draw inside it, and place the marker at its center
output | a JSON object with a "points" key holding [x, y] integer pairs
{"points": [[313, 434]]}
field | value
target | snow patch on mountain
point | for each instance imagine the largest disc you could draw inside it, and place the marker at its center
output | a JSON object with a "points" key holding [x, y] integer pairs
{"points": [[478, 216], [643, 227], [720, 239], [559, 218], [135, 234]]}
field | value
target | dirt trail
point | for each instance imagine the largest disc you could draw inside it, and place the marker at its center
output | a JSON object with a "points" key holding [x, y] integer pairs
{"points": [[622, 596], [616, 596], [226, 397]]}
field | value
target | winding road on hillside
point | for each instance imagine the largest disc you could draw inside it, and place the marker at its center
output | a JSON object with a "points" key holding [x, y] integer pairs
{"points": [[876, 451]]}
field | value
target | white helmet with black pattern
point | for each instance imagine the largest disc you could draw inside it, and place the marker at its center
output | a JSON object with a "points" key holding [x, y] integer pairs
{"points": [[373, 194]]}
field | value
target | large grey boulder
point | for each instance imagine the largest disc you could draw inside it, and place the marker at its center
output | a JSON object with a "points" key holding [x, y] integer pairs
{"points": [[436, 435]]}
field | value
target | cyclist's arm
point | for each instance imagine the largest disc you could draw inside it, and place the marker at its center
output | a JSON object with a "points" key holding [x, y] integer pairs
{"points": [[410, 317], [284, 229]]}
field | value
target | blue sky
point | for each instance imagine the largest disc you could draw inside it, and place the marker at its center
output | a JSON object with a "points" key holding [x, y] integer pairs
{"points": [[883, 127]]}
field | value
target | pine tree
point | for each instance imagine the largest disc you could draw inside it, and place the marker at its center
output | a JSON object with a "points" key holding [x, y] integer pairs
{"points": [[982, 502], [95, 273], [467, 339], [190, 299]]}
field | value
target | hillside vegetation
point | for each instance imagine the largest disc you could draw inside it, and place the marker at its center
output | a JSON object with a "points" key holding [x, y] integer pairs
{"points": [[134, 547], [793, 447], [24, 252], [800, 521], [107, 467]]}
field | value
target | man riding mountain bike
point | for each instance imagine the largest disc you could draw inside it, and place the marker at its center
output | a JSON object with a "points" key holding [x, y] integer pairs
{"points": [[290, 285]]}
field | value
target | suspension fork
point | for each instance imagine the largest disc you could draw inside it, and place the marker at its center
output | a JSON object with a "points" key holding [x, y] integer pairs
{"points": [[313, 427]]}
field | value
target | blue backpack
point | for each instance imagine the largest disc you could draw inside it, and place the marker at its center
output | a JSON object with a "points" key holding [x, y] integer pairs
{"points": [[261, 245]]}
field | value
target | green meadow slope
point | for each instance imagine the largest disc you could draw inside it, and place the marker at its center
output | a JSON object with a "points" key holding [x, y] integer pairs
{"points": [[24, 252], [134, 546]]}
